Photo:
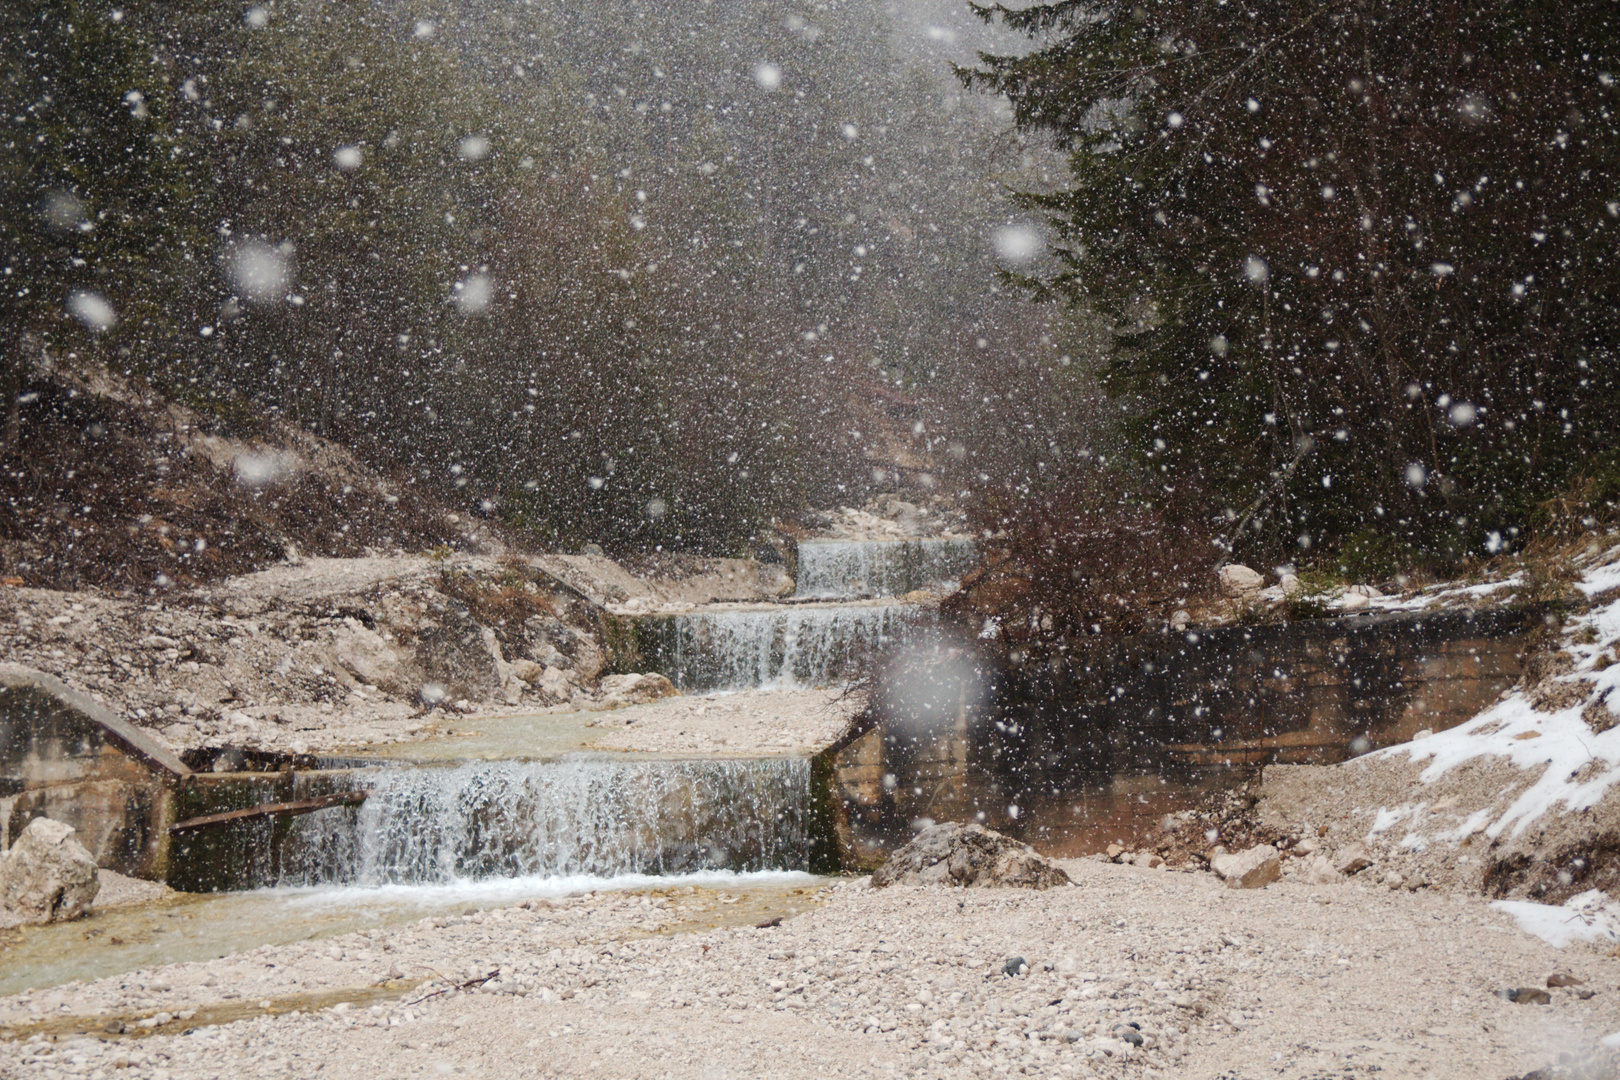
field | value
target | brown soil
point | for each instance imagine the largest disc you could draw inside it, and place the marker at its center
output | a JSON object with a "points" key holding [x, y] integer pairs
{"points": [[1222, 819]]}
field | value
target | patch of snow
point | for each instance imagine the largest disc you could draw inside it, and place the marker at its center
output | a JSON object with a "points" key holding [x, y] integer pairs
{"points": [[1577, 765], [1600, 579], [1588, 916], [1560, 744], [1475, 822], [1387, 819]]}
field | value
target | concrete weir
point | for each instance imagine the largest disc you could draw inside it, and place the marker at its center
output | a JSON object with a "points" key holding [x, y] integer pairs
{"points": [[580, 815], [65, 756], [846, 569], [549, 806], [738, 647]]}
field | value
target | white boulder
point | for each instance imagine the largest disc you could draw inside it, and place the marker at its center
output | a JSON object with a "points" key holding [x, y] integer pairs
{"points": [[1238, 581], [47, 876], [1251, 869]]}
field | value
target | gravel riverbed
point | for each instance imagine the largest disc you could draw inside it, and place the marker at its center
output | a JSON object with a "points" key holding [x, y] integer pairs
{"points": [[1292, 980]]}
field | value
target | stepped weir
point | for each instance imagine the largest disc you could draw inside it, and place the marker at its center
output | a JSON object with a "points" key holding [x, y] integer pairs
{"points": [[555, 815]]}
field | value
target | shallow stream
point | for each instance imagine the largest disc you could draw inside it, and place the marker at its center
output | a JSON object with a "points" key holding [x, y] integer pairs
{"points": [[189, 927]]}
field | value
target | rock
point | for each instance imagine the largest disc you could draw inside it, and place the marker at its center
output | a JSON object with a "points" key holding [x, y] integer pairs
{"points": [[1353, 602], [1289, 583], [527, 670], [1424, 734], [455, 655], [1364, 590], [638, 689], [1238, 581], [1353, 859], [555, 684], [1129, 1033], [1393, 880], [1564, 978], [367, 655], [1321, 872], [1114, 851], [1015, 966], [1180, 620], [1251, 869], [47, 876], [970, 856], [556, 644], [1526, 995], [1307, 846]]}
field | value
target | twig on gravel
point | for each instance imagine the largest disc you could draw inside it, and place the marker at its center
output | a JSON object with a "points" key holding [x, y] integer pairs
{"points": [[468, 985]]}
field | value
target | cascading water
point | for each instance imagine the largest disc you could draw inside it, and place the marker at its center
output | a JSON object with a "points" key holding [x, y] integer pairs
{"points": [[590, 817], [811, 644], [577, 816], [802, 645], [846, 569]]}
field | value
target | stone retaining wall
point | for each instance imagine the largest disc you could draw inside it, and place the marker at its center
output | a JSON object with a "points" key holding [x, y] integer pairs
{"points": [[1142, 716]]}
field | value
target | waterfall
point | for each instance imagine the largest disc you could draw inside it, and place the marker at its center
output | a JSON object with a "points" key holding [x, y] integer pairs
{"points": [[577, 816], [804, 645], [843, 569]]}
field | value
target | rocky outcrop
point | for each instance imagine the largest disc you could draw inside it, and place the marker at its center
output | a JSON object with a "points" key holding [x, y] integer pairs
{"points": [[47, 876], [456, 654], [970, 856]]}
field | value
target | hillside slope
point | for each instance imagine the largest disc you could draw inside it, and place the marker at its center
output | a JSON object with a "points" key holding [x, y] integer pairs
{"points": [[104, 483]]}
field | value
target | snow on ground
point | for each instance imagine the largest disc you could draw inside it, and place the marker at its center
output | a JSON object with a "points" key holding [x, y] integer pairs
{"points": [[1589, 916], [1520, 801], [1578, 765]]}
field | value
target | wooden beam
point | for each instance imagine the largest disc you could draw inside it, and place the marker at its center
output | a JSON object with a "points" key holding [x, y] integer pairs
{"points": [[263, 810]]}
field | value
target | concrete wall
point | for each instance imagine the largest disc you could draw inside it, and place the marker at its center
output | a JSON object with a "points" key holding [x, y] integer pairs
{"points": [[1144, 716], [66, 757]]}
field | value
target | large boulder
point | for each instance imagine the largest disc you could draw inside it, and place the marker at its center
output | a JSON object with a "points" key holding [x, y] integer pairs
{"points": [[457, 655], [368, 656], [1239, 582], [47, 876], [970, 856], [1352, 859], [1251, 869]]}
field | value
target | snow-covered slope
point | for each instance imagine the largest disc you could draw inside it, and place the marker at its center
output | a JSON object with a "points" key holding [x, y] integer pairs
{"points": [[1522, 799]]}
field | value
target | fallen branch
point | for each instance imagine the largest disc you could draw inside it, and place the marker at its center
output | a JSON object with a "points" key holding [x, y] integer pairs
{"points": [[303, 806], [468, 985]]}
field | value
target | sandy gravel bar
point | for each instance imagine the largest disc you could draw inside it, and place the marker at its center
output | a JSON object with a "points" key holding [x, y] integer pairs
{"points": [[1293, 980]]}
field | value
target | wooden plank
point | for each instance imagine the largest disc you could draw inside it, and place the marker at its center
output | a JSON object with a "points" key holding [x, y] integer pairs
{"points": [[302, 806]]}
